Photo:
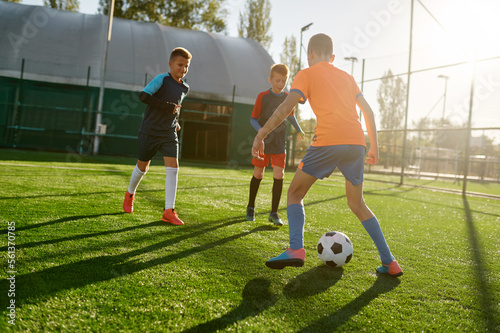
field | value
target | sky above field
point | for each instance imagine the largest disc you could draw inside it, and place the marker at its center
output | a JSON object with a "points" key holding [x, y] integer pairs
{"points": [[445, 32]]}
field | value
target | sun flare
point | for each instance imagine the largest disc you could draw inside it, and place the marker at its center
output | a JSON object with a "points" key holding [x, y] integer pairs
{"points": [[473, 25]]}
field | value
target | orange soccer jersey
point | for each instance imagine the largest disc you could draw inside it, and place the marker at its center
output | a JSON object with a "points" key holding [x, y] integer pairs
{"points": [[332, 94]]}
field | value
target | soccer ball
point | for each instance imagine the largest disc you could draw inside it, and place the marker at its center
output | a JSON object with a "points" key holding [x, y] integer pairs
{"points": [[334, 249]]}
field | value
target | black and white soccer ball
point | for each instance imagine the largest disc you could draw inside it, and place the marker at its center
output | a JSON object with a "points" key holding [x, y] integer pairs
{"points": [[334, 249]]}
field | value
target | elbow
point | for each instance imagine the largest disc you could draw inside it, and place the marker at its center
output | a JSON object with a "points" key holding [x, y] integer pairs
{"points": [[143, 96]]}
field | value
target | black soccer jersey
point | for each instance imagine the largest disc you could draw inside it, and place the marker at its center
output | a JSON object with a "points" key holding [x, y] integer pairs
{"points": [[264, 107], [163, 122]]}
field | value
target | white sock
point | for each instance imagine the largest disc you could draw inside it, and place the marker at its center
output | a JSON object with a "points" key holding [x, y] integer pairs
{"points": [[170, 187], [135, 179]]}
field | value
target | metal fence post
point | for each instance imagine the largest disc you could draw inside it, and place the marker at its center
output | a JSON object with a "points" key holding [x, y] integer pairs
{"points": [[407, 98], [469, 125]]}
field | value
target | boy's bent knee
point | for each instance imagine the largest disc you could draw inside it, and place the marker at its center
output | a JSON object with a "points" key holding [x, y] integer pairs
{"points": [[258, 172], [294, 195], [278, 172], [360, 209], [356, 204], [299, 187], [142, 165], [170, 162]]}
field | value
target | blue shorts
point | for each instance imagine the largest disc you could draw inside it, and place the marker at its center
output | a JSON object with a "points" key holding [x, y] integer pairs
{"points": [[320, 162], [149, 145]]}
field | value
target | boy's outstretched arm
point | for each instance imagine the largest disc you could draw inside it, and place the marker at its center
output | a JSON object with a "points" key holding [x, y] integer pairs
{"points": [[371, 128], [157, 103], [283, 110]]}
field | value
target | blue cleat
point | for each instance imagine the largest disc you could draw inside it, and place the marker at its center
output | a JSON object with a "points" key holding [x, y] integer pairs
{"points": [[250, 214], [273, 217], [290, 257]]}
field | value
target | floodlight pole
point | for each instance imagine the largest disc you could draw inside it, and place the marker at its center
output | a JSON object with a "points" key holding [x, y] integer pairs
{"points": [[469, 125], [352, 60], [445, 77], [362, 85], [403, 159], [442, 121], [98, 118], [304, 28]]}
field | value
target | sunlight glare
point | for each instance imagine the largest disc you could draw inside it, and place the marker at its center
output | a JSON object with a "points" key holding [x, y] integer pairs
{"points": [[473, 25]]}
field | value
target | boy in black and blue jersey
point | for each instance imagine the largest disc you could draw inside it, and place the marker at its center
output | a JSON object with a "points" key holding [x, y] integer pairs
{"points": [[158, 131]]}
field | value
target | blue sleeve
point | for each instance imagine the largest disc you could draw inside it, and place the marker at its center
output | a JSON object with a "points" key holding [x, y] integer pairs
{"points": [[294, 123], [303, 98], [255, 123], [155, 84]]}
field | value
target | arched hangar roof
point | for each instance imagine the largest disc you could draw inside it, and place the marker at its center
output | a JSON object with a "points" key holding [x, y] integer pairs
{"points": [[59, 46]]}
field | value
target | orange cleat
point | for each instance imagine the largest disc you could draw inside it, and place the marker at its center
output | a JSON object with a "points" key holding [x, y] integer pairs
{"points": [[170, 216], [128, 203], [392, 269], [290, 257]]}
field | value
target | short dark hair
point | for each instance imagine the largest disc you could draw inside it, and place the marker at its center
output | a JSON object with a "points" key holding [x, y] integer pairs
{"points": [[180, 52], [280, 69], [321, 44]]}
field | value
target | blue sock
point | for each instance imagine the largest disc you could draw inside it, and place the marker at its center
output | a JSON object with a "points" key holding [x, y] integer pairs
{"points": [[296, 220], [373, 228]]}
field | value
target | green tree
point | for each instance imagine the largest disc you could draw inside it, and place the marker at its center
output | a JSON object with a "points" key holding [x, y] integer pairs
{"points": [[255, 22], [391, 96], [207, 15], [70, 5], [289, 57], [14, 1]]}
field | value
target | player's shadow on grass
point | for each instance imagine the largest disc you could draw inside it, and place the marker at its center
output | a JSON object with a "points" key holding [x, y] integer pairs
{"points": [[210, 186], [314, 281], [82, 236], [335, 320], [61, 220], [40, 284], [58, 195], [256, 298], [485, 292], [77, 194]]}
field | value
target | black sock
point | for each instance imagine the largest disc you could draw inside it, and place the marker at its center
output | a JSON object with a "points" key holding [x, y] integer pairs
{"points": [[277, 188], [254, 187]]}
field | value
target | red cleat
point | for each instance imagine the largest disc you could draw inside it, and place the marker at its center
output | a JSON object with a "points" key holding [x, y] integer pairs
{"points": [[170, 216], [128, 203]]}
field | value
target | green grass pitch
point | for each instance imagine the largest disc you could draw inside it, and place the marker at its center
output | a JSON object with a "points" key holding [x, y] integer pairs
{"points": [[81, 264]]}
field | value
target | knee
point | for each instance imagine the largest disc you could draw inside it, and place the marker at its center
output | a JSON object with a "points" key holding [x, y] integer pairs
{"points": [[294, 195], [356, 206], [259, 174], [143, 167]]}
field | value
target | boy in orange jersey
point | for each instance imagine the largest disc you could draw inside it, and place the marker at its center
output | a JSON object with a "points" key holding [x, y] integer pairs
{"points": [[158, 131], [265, 105], [339, 143]]}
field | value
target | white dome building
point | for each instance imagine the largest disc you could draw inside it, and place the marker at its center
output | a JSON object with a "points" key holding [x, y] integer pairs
{"points": [[50, 70]]}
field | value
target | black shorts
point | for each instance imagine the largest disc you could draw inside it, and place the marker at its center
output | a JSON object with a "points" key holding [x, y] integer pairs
{"points": [[149, 145]]}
